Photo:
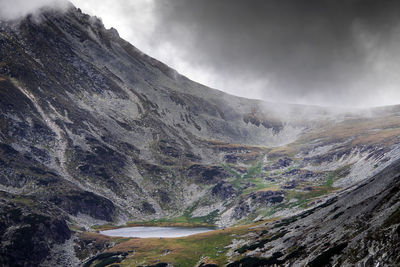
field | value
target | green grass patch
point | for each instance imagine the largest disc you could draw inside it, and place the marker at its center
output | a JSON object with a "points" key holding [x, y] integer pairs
{"points": [[252, 176], [254, 170], [394, 218], [24, 201], [330, 180], [183, 252], [229, 169], [259, 184], [187, 220]]}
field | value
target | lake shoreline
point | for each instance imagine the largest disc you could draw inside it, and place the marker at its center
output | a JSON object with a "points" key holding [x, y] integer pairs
{"points": [[104, 227], [155, 231]]}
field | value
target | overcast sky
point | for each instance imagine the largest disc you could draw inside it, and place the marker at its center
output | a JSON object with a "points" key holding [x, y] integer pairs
{"points": [[323, 52]]}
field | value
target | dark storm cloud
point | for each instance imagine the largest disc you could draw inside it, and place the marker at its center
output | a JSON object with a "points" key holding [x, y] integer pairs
{"points": [[323, 52]]}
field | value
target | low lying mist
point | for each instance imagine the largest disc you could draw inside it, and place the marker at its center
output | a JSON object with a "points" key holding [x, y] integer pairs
{"points": [[18, 9]]}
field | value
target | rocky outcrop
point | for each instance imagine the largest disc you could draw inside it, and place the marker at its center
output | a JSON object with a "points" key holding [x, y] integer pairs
{"points": [[27, 234], [264, 197], [358, 226], [224, 190], [76, 202], [207, 174]]}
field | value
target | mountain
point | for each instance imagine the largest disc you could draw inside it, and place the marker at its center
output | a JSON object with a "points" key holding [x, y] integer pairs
{"points": [[359, 226], [94, 132]]}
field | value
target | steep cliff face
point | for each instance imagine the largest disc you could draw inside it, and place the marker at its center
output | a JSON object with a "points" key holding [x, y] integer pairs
{"points": [[97, 132], [112, 121]]}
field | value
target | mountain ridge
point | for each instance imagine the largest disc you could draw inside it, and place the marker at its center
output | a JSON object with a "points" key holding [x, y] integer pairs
{"points": [[97, 132]]}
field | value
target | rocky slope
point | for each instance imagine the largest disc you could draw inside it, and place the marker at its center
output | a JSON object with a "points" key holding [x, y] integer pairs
{"points": [[94, 131], [358, 226]]}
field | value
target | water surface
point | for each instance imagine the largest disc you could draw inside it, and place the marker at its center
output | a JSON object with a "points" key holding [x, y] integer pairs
{"points": [[153, 231]]}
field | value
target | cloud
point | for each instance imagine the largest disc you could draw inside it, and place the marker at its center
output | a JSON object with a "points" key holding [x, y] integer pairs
{"points": [[16, 9], [323, 52], [134, 20], [316, 52]]}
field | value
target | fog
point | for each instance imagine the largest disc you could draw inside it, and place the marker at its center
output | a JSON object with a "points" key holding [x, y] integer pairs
{"points": [[17, 9], [330, 53], [341, 53]]}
